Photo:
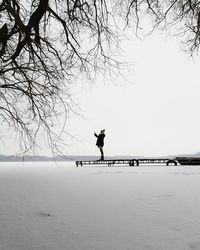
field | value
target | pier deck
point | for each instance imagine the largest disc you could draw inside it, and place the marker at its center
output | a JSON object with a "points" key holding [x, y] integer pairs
{"points": [[129, 162]]}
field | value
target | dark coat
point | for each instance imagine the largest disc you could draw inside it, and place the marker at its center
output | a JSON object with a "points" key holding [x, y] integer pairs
{"points": [[100, 139]]}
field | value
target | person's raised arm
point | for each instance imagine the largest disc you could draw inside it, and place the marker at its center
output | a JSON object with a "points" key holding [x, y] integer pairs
{"points": [[95, 135]]}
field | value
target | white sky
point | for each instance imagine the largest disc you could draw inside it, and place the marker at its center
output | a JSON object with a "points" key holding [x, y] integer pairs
{"points": [[156, 113]]}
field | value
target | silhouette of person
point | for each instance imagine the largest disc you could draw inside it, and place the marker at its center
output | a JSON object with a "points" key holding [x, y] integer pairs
{"points": [[100, 142]]}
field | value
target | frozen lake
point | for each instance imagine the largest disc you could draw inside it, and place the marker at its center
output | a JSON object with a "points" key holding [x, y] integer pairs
{"points": [[46, 206]]}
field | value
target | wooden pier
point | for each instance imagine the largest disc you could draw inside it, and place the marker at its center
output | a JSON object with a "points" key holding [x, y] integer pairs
{"points": [[140, 161], [129, 162]]}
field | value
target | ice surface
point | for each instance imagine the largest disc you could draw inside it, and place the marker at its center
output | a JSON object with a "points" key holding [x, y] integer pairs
{"points": [[62, 207]]}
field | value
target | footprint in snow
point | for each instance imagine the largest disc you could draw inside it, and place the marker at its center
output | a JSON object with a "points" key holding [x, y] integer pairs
{"points": [[44, 214], [194, 245]]}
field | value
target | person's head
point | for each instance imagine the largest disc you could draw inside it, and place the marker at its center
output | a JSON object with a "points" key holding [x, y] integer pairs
{"points": [[102, 131]]}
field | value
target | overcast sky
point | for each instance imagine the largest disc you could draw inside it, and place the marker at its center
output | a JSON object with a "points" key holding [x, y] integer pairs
{"points": [[155, 113]]}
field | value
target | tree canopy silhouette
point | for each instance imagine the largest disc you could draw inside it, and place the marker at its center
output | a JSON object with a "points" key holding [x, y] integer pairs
{"points": [[46, 44]]}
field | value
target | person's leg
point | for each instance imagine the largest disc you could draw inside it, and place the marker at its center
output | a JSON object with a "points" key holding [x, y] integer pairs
{"points": [[102, 155], [101, 151]]}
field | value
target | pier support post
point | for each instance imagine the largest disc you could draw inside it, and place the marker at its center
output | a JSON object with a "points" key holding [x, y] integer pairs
{"points": [[171, 162], [133, 162]]}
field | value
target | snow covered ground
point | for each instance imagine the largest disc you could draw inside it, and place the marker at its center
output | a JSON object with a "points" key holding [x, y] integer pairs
{"points": [[44, 206]]}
